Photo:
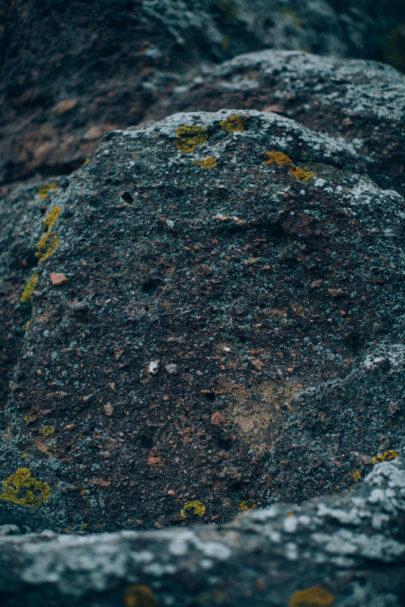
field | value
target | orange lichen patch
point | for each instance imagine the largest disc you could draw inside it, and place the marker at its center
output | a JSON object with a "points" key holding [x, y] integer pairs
{"points": [[385, 457], [29, 289], [208, 163], [315, 596], [301, 174], [277, 157], [46, 188], [47, 430], [51, 218], [235, 122], [282, 159], [20, 488], [247, 505], [196, 506], [139, 595], [356, 476], [47, 246], [188, 137], [258, 412]]}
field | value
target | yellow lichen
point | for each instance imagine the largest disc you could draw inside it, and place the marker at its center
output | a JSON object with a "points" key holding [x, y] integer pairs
{"points": [[356, 476], [26, 325], [292, 13], [86, 161], [208, 163], [139, 595], [282, 159], [20, 488], [46, 188], [316, 596], [235, 122], [47, 246], [29, 288], [225, 44], [301, 174], [226, 8], [277, 157], [188, 137], [27, 419], [247, 505], [47, 430], [51, 218], [385, 457], [196, 506]]}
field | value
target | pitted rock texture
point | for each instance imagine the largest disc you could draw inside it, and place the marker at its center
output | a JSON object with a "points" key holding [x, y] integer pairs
{"points": [[336, 551], [228, 332], [71, 71]]}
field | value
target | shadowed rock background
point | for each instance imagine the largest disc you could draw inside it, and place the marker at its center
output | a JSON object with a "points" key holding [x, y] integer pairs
{"points": [[207, 316]]}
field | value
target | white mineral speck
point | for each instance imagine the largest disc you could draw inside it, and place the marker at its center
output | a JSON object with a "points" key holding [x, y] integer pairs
{"points": [[153, 367]]}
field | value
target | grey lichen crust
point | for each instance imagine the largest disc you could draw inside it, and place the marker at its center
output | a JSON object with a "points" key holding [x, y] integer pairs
{"points": [[348, 549]]}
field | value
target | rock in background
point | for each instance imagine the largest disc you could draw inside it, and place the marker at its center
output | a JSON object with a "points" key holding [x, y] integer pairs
{"points": [[72, 70]]}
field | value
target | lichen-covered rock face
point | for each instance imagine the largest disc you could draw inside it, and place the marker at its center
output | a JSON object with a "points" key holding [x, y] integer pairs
{"points": [[70, 71], [216, 325], [346, 550], [361, 101]]}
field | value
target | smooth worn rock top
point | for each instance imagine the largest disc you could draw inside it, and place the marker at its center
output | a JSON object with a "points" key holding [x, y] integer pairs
{"points": [[226, 334]]}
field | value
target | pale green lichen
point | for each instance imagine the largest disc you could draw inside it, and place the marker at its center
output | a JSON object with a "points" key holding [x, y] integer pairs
{"points": [[22, 489], [29, 289], [188, 137], [47, 246]]}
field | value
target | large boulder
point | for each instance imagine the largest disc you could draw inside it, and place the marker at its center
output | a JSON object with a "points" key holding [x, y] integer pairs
{"points": [[215, 309]]}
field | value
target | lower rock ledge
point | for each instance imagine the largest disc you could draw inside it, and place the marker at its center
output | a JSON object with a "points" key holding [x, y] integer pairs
{"points": [[343, 550]]}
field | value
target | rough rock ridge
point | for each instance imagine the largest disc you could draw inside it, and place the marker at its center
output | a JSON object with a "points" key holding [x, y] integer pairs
{"points": [[71, 70], [206, 318], [336, 551]]}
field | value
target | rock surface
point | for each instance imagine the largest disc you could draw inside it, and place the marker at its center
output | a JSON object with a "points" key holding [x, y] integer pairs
{"points": [[229, 333], [336, 551], [206, 318], [70, 71]]}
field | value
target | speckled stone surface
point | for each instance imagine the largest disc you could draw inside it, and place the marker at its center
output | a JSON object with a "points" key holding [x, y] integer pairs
{"points": [[208, 318], [344, 551], [227, 335]]}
